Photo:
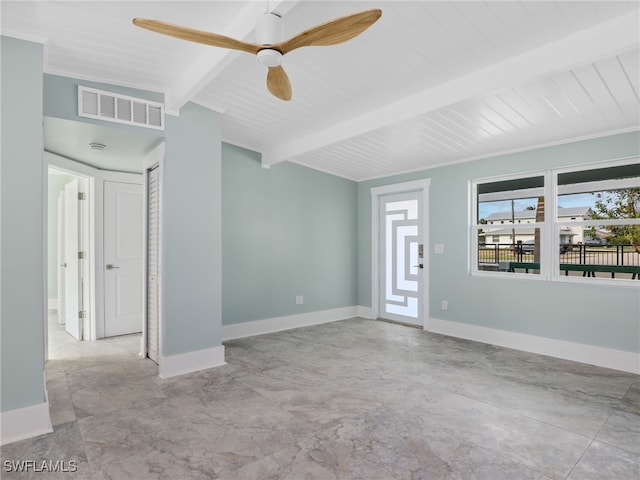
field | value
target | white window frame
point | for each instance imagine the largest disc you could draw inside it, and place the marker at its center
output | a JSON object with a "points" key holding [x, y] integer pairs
{"points": [[473, 263], [550, 228], [602, 185]]}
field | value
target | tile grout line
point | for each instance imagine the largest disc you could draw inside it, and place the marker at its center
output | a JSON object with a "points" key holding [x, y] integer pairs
{"points": [[614, 410], [596, 436], [511, 410], [590, 443], [579, 459], [82, 441]]}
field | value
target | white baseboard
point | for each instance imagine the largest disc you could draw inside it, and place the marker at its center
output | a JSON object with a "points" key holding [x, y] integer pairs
{"points": [[365, 312], [23, 423], [278, 324], [180, 364], [578, 352], [52, 303]]}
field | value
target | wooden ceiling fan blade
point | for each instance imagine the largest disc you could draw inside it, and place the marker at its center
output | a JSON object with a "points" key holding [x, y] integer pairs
{"points": [[198, 36], [278, 83], [332, 32]]}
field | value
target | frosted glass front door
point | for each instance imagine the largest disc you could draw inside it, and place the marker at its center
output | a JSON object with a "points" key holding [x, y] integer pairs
{"points": [[401, 272]]}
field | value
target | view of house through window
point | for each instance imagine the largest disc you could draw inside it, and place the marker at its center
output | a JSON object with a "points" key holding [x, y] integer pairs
{"points": [[605, 241], [595, 229], [510, 217]]}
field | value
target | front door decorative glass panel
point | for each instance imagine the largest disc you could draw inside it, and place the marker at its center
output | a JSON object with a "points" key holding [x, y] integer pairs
{"points": [[401, 257]]}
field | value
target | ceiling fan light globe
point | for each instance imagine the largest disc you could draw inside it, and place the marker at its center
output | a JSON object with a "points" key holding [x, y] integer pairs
{"points": [[269, 57]]}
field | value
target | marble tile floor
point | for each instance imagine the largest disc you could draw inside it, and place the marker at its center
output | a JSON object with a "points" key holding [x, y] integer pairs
{"points": [[62, 346], [355, 399]]}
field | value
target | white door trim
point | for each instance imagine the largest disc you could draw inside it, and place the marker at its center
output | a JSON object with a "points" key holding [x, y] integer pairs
{"points": [[376, 193], [75, 272], [86, 174], [155, 159]]}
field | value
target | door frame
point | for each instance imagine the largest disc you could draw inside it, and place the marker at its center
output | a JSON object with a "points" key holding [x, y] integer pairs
{"points": [[376, 193], [83, 280], [87, 223], [155, 159], [96, 179]]}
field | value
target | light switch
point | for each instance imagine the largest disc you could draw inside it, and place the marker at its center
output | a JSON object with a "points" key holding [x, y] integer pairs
{"points": [[439, 248]]}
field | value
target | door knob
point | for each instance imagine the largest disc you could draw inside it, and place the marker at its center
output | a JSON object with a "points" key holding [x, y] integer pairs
{"points": [[111, 267], [64, 265], [420, 265]]}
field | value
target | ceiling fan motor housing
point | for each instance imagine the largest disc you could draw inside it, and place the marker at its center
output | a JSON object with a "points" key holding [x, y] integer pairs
{"points": [[269, 57], [269, 30]]}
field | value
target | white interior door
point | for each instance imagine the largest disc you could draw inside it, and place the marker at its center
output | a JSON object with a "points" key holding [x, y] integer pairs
{"points": [[72, 280], [123, 258], [60, 257], [401, 257], [153, 265]]}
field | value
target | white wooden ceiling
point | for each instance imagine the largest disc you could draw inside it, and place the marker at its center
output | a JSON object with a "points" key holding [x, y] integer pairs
{"points": [[429, 84]]}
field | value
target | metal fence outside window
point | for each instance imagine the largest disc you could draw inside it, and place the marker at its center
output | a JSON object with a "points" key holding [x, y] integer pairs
{"points": [[579, 254]]}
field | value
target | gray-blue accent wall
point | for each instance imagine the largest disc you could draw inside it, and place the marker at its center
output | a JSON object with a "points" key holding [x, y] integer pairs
{"points": [[191, 226], [287, 231], [22, 283]]}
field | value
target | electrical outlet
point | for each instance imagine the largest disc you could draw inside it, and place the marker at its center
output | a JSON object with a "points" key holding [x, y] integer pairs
{"points": [[445, 305], [299, 299]]}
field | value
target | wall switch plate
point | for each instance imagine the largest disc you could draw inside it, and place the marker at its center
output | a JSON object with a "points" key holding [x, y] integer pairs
{"points": [[445, 304], [299, 299], [439, 248]]}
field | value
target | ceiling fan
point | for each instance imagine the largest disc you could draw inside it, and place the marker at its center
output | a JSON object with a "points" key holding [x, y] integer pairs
{"points": [[271, 46]]}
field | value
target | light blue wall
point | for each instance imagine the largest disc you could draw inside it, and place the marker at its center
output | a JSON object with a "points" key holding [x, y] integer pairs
{"points": [[23, 186], [287, 231], [607, 316], [192, 231]]}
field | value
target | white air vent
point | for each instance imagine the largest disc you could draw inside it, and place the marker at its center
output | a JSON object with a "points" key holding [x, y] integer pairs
{"points": [[113, 107]]}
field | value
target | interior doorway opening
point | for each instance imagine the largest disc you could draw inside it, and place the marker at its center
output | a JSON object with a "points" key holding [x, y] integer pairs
{"points": [[70, 298], [113, 234], [78, 313]]}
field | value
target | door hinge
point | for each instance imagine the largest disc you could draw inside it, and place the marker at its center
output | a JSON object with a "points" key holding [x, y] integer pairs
{"points": [[82, 314], [81, 255], [82, 196]]}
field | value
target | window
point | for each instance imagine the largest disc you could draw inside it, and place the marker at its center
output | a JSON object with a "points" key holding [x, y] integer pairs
{"points": [[509, 202], [603, 240], [594, 232]]}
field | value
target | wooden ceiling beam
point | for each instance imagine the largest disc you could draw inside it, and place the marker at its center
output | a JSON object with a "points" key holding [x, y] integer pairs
{"points": [[213, 60]]}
